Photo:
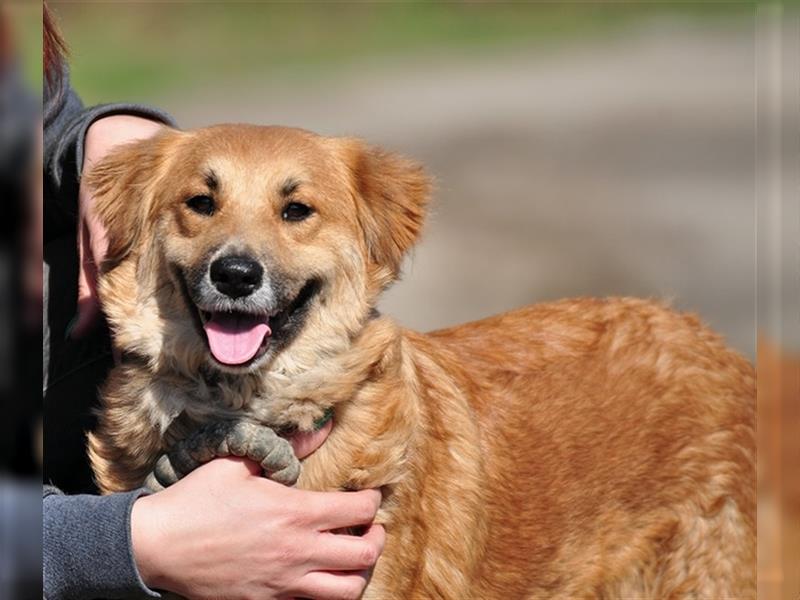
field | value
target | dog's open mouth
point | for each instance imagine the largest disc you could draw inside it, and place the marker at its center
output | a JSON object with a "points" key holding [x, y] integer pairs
{"points": [[236, 338]]}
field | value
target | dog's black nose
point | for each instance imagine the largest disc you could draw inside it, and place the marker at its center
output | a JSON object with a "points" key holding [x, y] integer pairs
{"points": [[236, 276]]}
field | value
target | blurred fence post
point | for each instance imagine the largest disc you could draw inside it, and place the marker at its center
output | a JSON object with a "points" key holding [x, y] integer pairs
{"points": [[778, 304]]}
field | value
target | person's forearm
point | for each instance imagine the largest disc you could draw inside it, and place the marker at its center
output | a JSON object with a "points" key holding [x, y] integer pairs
{"points": [[87, 550]]}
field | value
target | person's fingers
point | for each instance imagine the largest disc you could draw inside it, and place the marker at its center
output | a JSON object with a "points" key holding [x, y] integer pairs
{"points": [[92, 249], [88, 304], [305, 443], [334, 510], [321, 585], [98, 236], [349, 552]]}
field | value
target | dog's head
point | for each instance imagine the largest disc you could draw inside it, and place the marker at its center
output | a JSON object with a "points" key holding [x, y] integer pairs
{"points": [[228, 245]]}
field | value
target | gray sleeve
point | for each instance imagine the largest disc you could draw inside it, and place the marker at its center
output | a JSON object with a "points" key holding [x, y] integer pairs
{"points": [[65, 123], [86, 550], [20, 546]]}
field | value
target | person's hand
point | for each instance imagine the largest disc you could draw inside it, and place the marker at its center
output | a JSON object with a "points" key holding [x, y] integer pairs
{"points": [[225, 531], [304, 443], [101, 137]]}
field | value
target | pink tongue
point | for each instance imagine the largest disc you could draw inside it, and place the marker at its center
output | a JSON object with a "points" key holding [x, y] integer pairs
{"points": [[235, 338]]}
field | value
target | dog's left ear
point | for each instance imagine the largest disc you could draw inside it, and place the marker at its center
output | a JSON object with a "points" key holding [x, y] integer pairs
{"points": [[395, 192]]}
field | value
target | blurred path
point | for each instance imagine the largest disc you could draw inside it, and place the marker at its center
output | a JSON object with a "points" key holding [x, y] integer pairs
{"points": [[619, 166]]}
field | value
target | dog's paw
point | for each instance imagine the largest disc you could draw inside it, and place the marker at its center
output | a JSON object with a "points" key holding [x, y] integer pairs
{"points": [[227, 438]]}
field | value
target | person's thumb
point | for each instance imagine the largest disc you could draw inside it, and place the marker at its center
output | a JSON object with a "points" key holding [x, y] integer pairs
{"points": [[305, 443], [88, 307]]}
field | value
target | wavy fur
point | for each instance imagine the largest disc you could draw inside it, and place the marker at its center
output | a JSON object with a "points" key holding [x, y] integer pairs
{"points": [[583, 448]]}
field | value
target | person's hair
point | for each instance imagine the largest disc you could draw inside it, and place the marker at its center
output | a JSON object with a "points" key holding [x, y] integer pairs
{"points": [[54, 48]]}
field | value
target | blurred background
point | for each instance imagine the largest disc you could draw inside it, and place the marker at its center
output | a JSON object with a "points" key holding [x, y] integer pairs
{"points": [[20, 305], [579, 148]]}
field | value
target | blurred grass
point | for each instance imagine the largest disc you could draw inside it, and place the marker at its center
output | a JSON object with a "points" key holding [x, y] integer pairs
{"points": [[138, 50], [26, 30]]}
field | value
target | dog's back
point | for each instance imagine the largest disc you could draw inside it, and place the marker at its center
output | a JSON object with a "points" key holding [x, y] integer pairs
{"points": [[618, 440]]}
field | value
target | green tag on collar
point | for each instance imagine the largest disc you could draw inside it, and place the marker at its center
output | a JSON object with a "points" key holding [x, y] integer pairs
{"points": [[322, 421]]}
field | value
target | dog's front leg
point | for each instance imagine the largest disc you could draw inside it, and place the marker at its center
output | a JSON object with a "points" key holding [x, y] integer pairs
{"points": [[227, 438]]}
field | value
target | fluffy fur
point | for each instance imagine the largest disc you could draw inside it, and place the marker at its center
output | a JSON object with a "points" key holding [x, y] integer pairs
{"points": [[584, 448]]}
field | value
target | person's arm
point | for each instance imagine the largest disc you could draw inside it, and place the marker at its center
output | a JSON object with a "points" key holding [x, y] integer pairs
{"points": [[222, 531], [66, 123], [75, 138], [87, 551]]}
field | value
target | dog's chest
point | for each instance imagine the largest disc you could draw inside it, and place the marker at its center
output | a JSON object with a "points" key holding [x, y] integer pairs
{"points": [[212, 399]]}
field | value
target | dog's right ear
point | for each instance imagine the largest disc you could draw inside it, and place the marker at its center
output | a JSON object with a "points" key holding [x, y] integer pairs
{"points": [[124, 184], [394, 193]]}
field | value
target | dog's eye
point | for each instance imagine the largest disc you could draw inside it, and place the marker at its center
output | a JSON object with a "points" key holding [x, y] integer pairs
{"points": [[295, 211], [201, 204]]}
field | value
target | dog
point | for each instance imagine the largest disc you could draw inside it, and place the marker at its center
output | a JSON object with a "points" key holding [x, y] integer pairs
{"points": [[580, 448]]}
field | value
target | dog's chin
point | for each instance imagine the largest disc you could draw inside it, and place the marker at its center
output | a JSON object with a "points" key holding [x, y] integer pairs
{"points": [[283, 326]]}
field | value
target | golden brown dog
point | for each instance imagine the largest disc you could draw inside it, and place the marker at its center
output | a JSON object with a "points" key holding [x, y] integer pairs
{"points": [[584, 448]]}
